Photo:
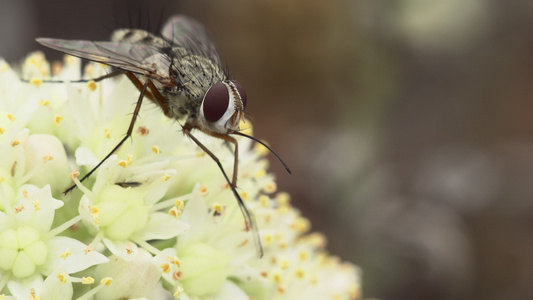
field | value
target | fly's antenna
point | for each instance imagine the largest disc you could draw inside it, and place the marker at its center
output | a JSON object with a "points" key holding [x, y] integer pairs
{"points": [[266, 146]]}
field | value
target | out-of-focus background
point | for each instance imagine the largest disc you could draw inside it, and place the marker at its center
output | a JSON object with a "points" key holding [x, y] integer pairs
{"points": [[408, 124]]}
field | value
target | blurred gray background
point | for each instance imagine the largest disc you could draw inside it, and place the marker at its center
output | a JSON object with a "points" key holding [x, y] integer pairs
{"points": [[408, 124]]}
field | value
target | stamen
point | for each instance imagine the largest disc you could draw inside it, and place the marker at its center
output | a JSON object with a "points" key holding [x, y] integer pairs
{"points": [[204, 191], [91, 85], [57, 119], [36, 81], [87, 280], [156, 150], [66, 254], [143, 130]]}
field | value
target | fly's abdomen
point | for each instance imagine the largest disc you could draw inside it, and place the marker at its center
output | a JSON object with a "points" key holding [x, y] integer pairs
{"points": [[138, 36]]}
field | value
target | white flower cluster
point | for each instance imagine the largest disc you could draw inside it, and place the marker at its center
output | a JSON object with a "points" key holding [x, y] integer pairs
{"points": [[156, 221]]}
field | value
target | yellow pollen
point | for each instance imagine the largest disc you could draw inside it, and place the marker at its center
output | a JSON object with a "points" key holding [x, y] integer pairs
{"points": [[33, 294], [66, 254], [268, 218], [283, 198], [264, 200], [156, 150], [44, 103], [283, 209], [2, 130], [106, 281], [165, 267], [94, 210], [179, 204], [36, 81], [87, 280], [130, 248], [15, 143], [91, 85], [25, 193], [129, 160], [122, 163], [244, 195], [283, 245], [270, 187], [94, 213], [268, 238], [88, 249], [204, 191], [300, 273], [354, 291], [174, 211], [165, 177], [178, 292], [317, 239], [73, 174], [200, 154], [277, 278], [107, 133], [62, 278], [176, 275], [174, 260], [301, 224], [19, 208], [2, 179], [264, 274], [47, 158], [285, 264], [260, 149], [303, 255], [217, 207], [69, 60], [260, 173], [58, 119], [36, 205], [143, 130]]}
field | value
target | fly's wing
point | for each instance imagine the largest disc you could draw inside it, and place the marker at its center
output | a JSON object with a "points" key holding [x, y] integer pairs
{"points": [[192, 36], [138, 58]]}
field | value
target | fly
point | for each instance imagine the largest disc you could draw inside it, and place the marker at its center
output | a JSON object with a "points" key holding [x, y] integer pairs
{"points": [[181, 72]]}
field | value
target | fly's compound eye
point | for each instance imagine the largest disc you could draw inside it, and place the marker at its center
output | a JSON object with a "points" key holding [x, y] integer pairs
{"points": [[241, 91], [215, 102]]}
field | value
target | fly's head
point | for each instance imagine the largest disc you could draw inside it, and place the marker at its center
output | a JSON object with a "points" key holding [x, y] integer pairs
{"points": [[223, 107]]}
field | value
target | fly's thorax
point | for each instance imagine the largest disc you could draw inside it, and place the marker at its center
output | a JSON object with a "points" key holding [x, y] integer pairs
{"points": [[195, 74], [222, 107], [180, 104]]}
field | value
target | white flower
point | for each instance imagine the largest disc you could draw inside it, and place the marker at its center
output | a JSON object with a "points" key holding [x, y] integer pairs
{"points": [[30, 249], [159, 206]]}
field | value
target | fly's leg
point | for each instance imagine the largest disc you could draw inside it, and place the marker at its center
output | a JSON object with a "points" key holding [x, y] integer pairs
{"points": [[97, 79], [128, 134], [153, 95], [248, 216]]}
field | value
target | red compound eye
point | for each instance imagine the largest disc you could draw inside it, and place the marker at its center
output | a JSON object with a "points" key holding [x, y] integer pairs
{"points": [[242, 92], [215, 102]]}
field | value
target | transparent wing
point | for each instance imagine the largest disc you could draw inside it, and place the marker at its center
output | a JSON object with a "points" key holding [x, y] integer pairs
{"points": [[191, 35], [137, 58]]}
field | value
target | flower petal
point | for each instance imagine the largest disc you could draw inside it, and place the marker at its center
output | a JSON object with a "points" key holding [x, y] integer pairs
{"points": [[81, 256], [162, 226], [54, 288]]}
